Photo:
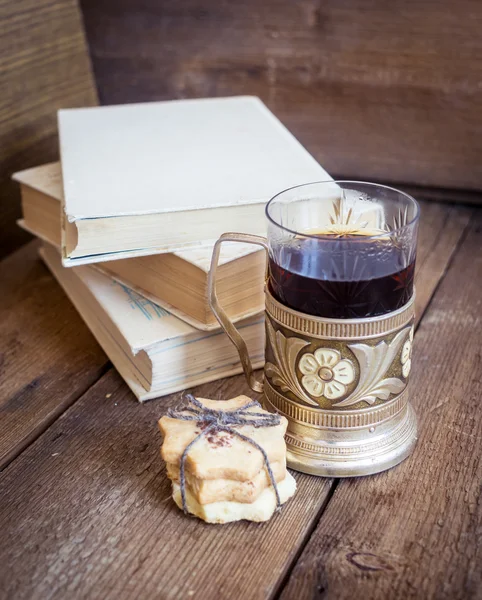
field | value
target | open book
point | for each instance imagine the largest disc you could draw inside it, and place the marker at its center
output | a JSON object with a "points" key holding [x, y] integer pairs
{"points": [[156, 353], [163, 176], [175, 281]]}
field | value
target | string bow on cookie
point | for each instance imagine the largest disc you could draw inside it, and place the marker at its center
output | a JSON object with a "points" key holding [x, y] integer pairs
{"points": [[214, 421]]}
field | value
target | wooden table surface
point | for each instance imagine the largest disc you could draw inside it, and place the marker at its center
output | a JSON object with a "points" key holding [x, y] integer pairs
{"points": [[86, 510]]}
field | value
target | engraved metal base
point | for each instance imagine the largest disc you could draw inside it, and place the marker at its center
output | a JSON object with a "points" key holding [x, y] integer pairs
{"points": [[353, 453], [343, 386]]}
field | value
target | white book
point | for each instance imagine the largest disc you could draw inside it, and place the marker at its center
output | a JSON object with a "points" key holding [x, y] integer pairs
{"points": [[163, 176], [155, 352], [176, 281]]}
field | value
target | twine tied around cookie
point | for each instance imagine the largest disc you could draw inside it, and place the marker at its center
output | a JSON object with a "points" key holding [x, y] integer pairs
{"points": [[215, 421]]}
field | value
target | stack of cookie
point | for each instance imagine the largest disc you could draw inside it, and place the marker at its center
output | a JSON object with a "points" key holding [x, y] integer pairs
{"points": [[236, 451]]}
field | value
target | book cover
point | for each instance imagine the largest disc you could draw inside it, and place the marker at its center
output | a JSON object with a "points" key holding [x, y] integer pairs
{"points": [[47, 179], [153, 276], [206, 166]]}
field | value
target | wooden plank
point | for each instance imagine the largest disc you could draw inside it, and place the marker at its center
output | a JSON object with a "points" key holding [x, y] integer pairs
{"points": [[388, 91], [441, 229], [44, 66], [413, 532], [104, 524], [48, 358]]}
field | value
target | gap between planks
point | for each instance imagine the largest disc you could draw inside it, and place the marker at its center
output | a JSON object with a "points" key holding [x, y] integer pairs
{"points": [[36, 432]]}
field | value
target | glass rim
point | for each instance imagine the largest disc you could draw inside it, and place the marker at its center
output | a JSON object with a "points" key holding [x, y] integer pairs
{"points": [[343, 181]]}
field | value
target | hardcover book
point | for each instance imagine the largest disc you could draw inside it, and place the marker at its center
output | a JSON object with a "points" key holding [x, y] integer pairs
{"points": [[164, 176], [176, 281], [156, 353]]}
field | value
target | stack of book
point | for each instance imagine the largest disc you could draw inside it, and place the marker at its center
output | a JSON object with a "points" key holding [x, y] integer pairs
{"points": [[129, 216]]}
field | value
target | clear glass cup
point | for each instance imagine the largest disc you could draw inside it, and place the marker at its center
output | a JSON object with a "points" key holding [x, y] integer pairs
{"points": [[342, 249]]}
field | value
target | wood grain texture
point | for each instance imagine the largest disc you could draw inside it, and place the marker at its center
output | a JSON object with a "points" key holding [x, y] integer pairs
{"points": [[87, 513], [441, 229], [414, 531], [87, 510], [375, 90], [44, 66], [48, 358]]}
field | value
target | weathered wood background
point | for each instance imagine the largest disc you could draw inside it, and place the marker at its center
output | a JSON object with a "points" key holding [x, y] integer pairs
{"points": [[375, 90], [44, 66], [387, 91]]}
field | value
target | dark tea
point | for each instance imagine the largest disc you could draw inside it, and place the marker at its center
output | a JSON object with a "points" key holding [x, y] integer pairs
{"points": [[341, 278]]}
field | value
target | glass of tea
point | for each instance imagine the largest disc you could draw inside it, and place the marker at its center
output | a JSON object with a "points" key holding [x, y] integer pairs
{"points": [[343, 249], [339, 324]]}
